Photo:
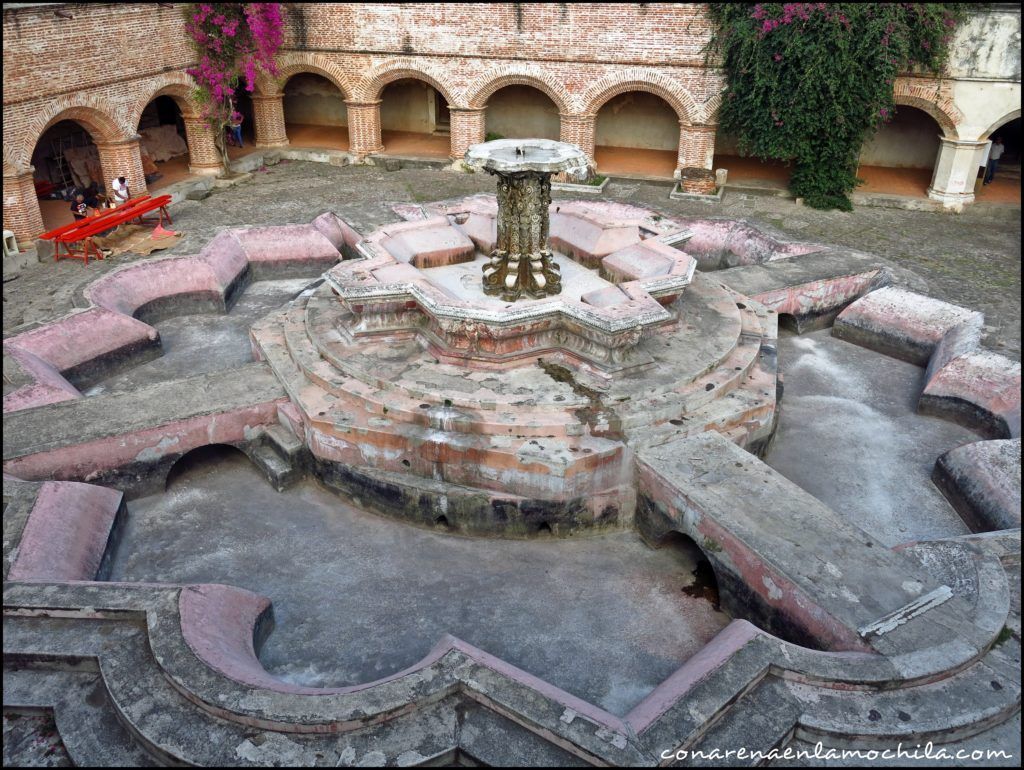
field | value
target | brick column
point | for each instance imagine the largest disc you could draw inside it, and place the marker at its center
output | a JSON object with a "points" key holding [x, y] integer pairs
{"points": [[268, 117], [696, 159], [696, 146], [467, 128], [956, 169], [579, 130], [364, 128], [123, 158], [203, 155], [21, 208]]}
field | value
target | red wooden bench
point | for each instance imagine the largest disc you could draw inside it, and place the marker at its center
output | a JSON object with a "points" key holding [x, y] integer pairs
{"points": [[76, 238]]}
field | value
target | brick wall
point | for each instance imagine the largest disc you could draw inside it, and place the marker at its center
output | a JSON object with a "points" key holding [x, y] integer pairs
{"points": [[104, 65]]}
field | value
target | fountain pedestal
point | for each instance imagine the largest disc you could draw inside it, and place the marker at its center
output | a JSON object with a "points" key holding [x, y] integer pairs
{"points": [[521, 262]]}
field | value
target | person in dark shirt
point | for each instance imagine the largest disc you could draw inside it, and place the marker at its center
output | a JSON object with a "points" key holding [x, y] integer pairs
{"points": [[79, 208], [92, 196]]}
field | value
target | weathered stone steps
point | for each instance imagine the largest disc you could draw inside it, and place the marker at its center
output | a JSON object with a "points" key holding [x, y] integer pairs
{"points": [[685, 398], [341, 430]]}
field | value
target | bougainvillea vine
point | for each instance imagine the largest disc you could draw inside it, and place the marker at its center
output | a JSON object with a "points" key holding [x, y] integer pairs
{"points": [[235, 42], [810, 82]]}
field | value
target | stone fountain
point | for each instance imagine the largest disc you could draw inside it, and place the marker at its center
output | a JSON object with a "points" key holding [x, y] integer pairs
{"points": [[493, 364], [522, 262]]}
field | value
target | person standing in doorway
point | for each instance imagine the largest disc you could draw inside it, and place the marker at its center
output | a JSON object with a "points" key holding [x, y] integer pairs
{"points": [[993, 159], [236, 127], [119, 191]]}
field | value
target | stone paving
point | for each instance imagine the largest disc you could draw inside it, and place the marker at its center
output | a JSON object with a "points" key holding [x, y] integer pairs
{"points": [[971, 259]]}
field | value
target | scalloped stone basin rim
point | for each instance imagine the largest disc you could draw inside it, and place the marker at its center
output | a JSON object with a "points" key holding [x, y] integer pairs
{"points": [[539, 155]]}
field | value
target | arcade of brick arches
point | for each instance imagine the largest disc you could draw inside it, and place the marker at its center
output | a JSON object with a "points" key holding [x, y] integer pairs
{"points": [[633, 92]]}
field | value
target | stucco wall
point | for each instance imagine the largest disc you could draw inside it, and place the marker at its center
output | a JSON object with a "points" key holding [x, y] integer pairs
{"points": [[987, 46], [315, 101], [910, 140], [637, 119], [520, 112], [408, 105]]}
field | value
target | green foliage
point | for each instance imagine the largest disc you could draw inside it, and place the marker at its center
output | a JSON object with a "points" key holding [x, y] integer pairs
{"points": [[810, 82], [490, 136]]}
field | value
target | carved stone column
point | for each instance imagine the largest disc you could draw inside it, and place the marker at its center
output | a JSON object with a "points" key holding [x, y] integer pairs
{"points": [[956, 169], [522, 262]]}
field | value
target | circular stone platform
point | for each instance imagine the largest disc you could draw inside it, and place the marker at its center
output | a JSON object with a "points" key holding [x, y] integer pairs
{"points": [[421, 397]]}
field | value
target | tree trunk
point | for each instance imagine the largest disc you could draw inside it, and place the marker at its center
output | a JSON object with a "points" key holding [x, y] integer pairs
{"points": [[222, 144]]}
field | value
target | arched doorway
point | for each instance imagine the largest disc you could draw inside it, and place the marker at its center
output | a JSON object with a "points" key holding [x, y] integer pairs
{"points": [[163, 145], [1005, 186], [315, 114], [243, 103], [414, 120], [65, 159], [637, 133], [521, 112], [746, 170], [899, 159]]}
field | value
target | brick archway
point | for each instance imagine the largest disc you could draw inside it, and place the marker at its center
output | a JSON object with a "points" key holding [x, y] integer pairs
{"points": [[928, 98], [296, 64], [176, 85], [495, 80], [373, 83], [678, 98], [101, 126]]}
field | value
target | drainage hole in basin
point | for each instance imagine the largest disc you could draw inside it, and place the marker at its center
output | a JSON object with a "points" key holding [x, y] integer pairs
{"points": [[676, 422], [406, 463], [704, 585], [709, 386], [424, 406], [741, 306]]}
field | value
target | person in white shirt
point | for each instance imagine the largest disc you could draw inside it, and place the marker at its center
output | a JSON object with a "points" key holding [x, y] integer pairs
{"points": [[993, 159], [119, 190]]}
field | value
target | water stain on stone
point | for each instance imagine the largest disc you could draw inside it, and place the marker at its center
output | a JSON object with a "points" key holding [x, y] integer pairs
{"points": [[704, 585]]}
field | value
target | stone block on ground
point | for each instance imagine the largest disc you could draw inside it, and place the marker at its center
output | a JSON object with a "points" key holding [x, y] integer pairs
{"points": [[900, 323], [341, 235], [428, 243], [982, 481], [586, 238], [65, 536], [606, 297], [647, 259], [781, 557], [980, 389]]}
